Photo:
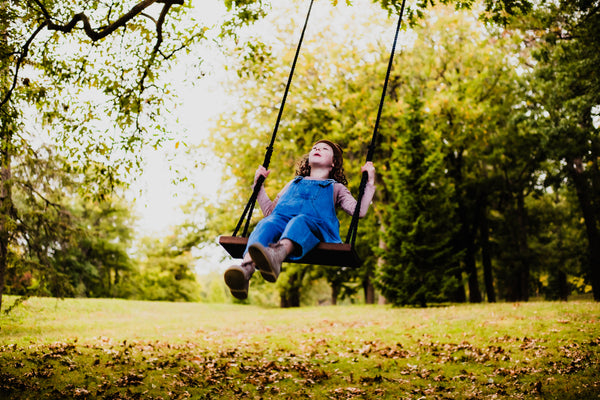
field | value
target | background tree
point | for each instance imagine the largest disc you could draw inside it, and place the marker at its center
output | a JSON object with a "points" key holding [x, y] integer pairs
{"points": [[565, 37], [558, 245], [490, 129], [91, 76], [474, 100], [420, 260], [468, 92], [494, 135], [167, 270], [68, 245], [168, 265]]}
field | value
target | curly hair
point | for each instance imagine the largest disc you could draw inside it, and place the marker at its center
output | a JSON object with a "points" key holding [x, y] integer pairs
{"points": [[336, 173]]}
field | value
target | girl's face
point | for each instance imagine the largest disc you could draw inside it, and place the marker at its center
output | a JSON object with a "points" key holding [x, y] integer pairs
{"points": [[321, 155]]}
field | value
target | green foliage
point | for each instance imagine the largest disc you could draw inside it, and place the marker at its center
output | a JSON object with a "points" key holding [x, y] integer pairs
{"points": [[460, 75], [86, 76], [95, 80], [68, 246], [217, 291], [420, 259], [565, 92], [127, 92], [65, 245], [459, 156], [559, 244], [116, 79], [167, 270]]}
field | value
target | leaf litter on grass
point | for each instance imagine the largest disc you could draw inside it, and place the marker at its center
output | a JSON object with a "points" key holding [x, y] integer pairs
{"points": [[370, 356]]}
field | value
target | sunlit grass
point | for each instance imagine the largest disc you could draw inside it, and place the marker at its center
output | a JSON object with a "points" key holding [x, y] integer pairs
{"points": [[129, 349]]}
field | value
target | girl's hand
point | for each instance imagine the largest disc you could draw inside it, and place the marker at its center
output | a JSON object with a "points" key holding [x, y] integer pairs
{"points": [[370, 169], [261, 171]]}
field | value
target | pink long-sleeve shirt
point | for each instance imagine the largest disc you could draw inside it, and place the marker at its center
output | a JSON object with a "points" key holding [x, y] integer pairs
{"points": [[341, 195]]}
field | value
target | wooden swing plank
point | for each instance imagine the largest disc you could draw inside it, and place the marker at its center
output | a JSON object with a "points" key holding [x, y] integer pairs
{"points": [[332, 254]]}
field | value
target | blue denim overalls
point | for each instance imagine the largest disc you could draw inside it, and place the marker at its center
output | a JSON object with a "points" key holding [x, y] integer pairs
{"points": [[305, 214]]}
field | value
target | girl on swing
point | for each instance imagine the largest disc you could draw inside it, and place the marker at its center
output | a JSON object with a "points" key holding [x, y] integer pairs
{"points": [[302, 215]]}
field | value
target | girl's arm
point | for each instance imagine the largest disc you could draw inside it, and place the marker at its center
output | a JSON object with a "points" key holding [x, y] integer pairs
{"points": [[345, 200], [264, 201]]}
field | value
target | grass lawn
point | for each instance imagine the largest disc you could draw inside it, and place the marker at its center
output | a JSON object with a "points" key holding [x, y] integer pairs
{"points": [[117, 349]]}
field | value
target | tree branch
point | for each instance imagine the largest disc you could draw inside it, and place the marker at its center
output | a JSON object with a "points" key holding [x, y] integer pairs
{"points": [[34, 191], [155, 51], [95, 35], [101, 33], [22, 56]]}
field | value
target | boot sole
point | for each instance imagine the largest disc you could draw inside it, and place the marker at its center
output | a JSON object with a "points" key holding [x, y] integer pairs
{"points": [[236, 281], [263, 263]]}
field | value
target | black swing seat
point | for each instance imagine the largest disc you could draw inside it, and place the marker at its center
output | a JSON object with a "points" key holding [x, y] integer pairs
{"points": [[331, 254]]}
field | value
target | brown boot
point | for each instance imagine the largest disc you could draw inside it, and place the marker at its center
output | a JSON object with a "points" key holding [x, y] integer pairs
{"points": [[237, 278], [268, 259]]}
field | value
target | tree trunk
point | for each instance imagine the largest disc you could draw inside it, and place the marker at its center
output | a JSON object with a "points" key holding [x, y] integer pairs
{"points": [[558, 285], [471, 250], [459, 295], [459, 241], [5, 211], [369, 290], [6, 122], [471, 268], [6, 204], [467, 242], [335, 293], [486, 259], [290, 299], [590, 216], [290, 296], [525, 260]]}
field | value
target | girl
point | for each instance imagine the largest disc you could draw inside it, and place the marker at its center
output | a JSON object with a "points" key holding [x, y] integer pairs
{"points": [[301, 216]]}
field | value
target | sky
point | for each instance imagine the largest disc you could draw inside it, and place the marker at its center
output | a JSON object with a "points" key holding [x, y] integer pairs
{"points": [[157, 198]]}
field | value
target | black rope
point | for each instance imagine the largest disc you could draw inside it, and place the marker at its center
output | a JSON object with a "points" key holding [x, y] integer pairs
{"points": [[351, 237], [250, 205]]}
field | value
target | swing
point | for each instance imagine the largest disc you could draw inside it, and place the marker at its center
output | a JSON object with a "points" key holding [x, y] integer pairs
{"points": [[330, 254]]}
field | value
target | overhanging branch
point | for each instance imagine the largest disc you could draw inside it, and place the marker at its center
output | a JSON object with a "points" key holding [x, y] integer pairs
{"points": [[98, 34], [155, 51], [93, 34], [20, 59]]}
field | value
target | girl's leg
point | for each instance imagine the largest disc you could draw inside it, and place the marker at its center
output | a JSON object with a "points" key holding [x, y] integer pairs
{"points": [[298, 238], [268, 259], [288, 245], [237, 277], [267, 255], [267, 231], [304, 233]]}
